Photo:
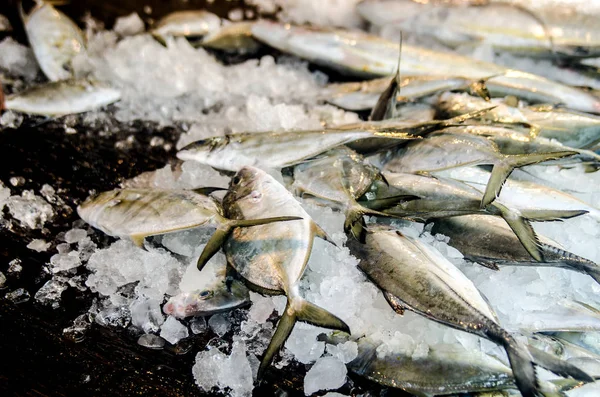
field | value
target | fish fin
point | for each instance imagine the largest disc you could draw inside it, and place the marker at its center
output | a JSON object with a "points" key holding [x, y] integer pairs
{"points": [[356, 211], [319, 232], [386, 103], [479, 87], [557, 366], [208, 190], [385, 203], [522, 366], [505, 166], [283, 331], [522, 228], [551, 215], [220, 235], [395, 303], [464, 117], [484, 262], [138, 239], [310, 313]]}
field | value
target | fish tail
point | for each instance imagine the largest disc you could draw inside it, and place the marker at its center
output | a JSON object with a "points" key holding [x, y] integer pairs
{"points": [[386, 103], [355, 212], [558, 366], [575, 262], [521, 363], [298, 309], [551, 215], [523, 230], [504, 167], [220, 235]]}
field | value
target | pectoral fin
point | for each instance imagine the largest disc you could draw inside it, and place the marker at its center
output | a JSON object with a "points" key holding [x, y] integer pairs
{"points": [[319, 232]]}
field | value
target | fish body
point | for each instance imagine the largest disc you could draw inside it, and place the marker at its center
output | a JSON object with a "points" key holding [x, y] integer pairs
{"points": [[361, 54], [55, 40], [189, 23], [415, 276], [233, 37], [590, 341], [562, 316], [63, 97], [504, 27], [568, 127], [272, 258], [489, 241]]}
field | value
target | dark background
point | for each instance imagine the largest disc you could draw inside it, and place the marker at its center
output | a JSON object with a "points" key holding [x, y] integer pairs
{"points": [[36, 359]]}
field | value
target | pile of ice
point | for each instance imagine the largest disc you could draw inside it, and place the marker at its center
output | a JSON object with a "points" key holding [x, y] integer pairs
{"points": [[31, 210]]}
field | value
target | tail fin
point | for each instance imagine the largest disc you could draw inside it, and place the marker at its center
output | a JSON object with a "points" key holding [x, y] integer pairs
{"points": [[218, 238], [386, 104], [298, 309], [356, 211], [522, 228], [503, 168], [521, 363], [551, 215], [557, 366], [575, 262]]}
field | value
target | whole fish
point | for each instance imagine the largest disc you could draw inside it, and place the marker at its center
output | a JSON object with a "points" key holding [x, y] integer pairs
{"points": [[415, 276], [54, 38], [568, 127], [63, 97], [524, 195], [489, 241], [232, 37], [358, 96], [362, 54], [215, 294], [189, 23], [270, 258], [135, 214], [5, 25], [504, 27], [273, 150], [445, 150], [441, 197], [339, 176]]}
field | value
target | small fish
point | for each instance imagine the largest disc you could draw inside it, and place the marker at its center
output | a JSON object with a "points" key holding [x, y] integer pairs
{"points": [[135, 214], [360, 54], [416, 277], [568, 127], [219, 293], [190, 24], [489, 241], [444, 150], [233, 37], [441, 197], [54, 38], [63, 97], [5, 25], [272, 258]]}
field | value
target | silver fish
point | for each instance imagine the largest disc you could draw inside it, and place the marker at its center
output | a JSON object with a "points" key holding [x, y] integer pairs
{"points": [[54, 38], [189, 23], [233, 37], [272, 258], [362, 54], [489, 241], [568, 127], [139, 213], [442, 197], [505, 27], [564, 316], [444, 150], [63, 97], [589, 341], [415, 276]]}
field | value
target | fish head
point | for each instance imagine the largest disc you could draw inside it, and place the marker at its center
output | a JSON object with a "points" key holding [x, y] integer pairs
{"points": [[202, 149], [247, 189], [95, 204], [187, 304], [207, 301]]}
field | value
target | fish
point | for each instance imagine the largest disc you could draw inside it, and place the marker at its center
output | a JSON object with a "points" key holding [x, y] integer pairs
{"points": [[441, 197], [135, 214], [444, 150], [272, 259], [54, 38], [5, 25], [364, 55], [63, 97], [489, 241], [566, 126], [187, 23], [564, 315], [524, 195], [590, 341], [360, 96], [339, 176], [216, 294], [232, 37], [512, 28], [414, 276], [563, 349]]}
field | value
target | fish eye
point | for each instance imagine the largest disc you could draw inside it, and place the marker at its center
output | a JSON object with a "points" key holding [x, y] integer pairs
{"points": [[205, 294], [236, 179]]}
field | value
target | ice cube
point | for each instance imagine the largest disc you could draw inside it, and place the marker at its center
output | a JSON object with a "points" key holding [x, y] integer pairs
{"points": [[75, 235], [14, 266], [146, 314], [17, 59], [50, 293], [129, 25], [328, 373], [151, 341], [262, 307], [31, 210], [38, 245], [303, 343], [17, 296], [219, 323], [113, 316], [173, 331], [345, 352], [62, 262], [198, 325], [2, 280]]}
